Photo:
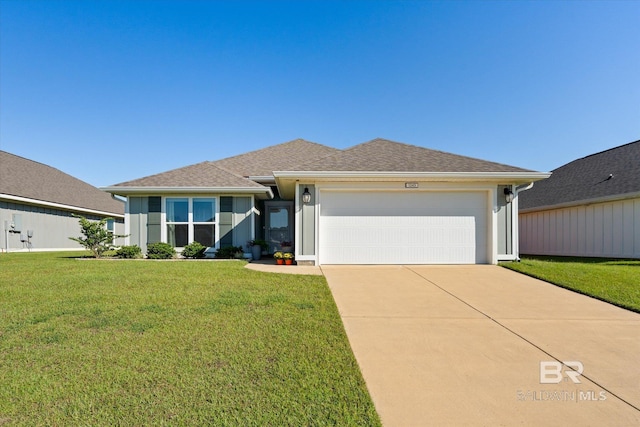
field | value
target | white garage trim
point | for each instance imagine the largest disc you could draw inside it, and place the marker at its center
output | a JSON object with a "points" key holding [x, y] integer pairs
{"points": [[385, 226]]}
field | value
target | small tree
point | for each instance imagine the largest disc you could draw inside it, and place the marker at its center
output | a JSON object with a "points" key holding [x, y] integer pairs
{"points": [[96, 238]]}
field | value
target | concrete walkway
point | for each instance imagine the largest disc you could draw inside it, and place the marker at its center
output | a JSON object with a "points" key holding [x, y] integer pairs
{"points": [[463, 345], [269, 266]]}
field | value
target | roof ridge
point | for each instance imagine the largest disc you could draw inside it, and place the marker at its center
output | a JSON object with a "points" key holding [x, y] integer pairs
{"points": [[268, 147]]}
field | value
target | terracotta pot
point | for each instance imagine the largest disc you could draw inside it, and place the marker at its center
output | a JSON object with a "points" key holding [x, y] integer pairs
{"points": [[279, 261], [288, 261]]}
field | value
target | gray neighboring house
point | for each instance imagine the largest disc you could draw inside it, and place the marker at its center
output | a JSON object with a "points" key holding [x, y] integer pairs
{"points": [[37, 201], [380, 202], [588, 207]]}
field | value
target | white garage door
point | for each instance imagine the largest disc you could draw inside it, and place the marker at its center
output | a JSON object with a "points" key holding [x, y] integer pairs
{"points": [[403, 228]]}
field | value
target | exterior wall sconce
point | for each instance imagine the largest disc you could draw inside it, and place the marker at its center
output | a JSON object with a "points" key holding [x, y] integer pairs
{"points": [[306, 196], [508, 195]]}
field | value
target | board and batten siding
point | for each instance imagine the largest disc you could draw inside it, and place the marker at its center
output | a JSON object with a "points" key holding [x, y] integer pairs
{"points": [[51, 227], [609, 229]]}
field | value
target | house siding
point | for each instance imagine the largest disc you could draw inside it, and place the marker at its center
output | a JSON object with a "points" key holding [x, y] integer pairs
{"points": [[307, 222], [505, 223], [145, 220], [242, 221], [51, 227], [610, 229], [138, 212]]}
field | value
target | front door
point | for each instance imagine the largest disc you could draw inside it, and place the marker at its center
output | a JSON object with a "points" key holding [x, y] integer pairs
{"points": [[278, 224]]}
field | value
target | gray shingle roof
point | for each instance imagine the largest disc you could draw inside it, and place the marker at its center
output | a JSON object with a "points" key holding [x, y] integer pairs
{"points": [[300, 155], [588, 178], [26, 178], [205, 174], [279, 157], [381, 155]]}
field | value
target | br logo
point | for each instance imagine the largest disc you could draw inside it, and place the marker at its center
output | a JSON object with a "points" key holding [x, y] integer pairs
{"points": [[551, 372]]}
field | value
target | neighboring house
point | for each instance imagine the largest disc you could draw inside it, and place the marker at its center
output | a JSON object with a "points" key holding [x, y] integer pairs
{"points": [[37, 203], [589, 207], [380, 202]]}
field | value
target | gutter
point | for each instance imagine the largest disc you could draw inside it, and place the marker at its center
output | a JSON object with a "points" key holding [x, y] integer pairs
{"points": [[428, 176], [189, 190], [524, 188]]}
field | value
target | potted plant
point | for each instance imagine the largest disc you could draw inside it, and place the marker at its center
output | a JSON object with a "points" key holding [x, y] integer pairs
{"points": [[286, 246], [279, 257], [288, 258], [257, 247]]}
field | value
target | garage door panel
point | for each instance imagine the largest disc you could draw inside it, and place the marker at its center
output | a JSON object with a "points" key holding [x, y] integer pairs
{"points": [[406, 229]]}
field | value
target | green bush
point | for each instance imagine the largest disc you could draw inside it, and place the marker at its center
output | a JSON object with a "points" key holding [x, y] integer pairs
{"points": [[228, 252], [194, 250], [95, 236], [160, 251], [131, 252]]}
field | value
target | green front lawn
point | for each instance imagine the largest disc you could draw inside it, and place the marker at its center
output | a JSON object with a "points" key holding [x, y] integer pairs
{"points": [[614, 281], [89, 342]]}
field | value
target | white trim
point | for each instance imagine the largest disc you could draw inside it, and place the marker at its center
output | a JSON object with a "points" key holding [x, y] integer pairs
{"points": [[127, 223], [190, 223], [492, 233], [297, 211], [428, 176], [58, 205], [123, 191]]}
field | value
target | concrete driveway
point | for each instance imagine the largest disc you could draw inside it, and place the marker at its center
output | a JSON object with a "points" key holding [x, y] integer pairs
{"points": [[463, 345]]}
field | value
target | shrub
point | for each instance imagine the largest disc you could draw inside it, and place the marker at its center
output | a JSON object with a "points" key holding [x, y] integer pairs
{"points": [[259, 242], [228, 252], [194, 250], [160, 251], [96, 237], [130, 252]]}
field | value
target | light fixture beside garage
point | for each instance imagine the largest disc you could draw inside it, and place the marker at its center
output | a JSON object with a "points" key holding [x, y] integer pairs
{"points": [[306, 196], [508, 195]]}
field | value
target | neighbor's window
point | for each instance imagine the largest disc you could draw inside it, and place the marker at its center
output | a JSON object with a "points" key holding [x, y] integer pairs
{"points": [[190, 219]]}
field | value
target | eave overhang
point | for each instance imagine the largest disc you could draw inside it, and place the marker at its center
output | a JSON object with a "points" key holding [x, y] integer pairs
{"points": [[286, 180], [583, 202], [60, 206], [259, 192]]}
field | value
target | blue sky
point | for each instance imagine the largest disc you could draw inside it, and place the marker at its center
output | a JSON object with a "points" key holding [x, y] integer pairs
{"points": [[109, 91]]}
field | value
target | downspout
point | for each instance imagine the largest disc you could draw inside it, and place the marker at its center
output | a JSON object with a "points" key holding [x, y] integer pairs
{"points": [[516, 222]]}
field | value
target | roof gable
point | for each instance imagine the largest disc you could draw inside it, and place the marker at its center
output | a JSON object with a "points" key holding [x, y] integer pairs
{"points": [[382, 155], [285, 156], [26, 178], [605, 174]]}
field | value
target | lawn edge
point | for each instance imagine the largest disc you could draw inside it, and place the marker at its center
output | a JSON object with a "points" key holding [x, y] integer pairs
{"points": [[560, 285]]}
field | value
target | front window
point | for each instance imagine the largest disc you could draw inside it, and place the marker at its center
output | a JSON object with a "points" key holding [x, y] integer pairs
{"points": [[190, 219]]}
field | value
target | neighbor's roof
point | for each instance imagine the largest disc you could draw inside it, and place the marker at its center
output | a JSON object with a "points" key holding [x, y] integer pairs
{"points": [[285, 156], [381, 155], [24, 178], [610, 173]]}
